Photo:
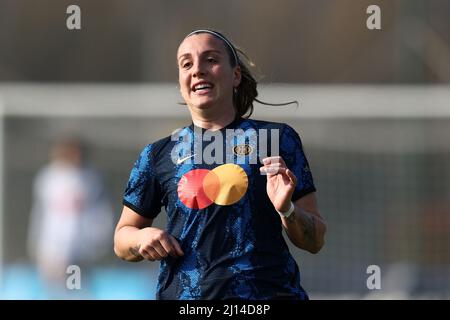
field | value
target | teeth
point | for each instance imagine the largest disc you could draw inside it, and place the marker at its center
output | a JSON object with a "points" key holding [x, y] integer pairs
{"points": [[202, 86]]}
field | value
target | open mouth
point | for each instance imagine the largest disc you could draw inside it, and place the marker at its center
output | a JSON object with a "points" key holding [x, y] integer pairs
{"points": [[202, 87]]}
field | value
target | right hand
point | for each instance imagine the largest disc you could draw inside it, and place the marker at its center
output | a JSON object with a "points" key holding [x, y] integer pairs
{"points": [[156, 244]]}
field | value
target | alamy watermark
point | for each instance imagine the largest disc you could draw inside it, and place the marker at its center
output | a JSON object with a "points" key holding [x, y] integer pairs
{"points": [[73, 21], [73, 281], [241, 146], [374, 280], [373, 22]]}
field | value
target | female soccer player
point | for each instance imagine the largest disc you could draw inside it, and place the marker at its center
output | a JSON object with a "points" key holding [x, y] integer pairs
{"points": [[229, 185]]}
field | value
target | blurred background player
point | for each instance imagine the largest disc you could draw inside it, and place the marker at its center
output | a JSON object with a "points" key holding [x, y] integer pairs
{"points": [[71, 218]]}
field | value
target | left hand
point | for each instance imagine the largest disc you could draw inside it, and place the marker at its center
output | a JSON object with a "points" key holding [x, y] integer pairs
{"points": [[281, 182]]}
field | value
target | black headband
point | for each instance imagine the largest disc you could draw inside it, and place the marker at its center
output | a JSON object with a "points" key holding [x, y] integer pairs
{"points": [[221, 37]]}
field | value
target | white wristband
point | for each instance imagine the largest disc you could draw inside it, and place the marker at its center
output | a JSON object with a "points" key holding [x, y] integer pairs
{"points": [[287, 213]]}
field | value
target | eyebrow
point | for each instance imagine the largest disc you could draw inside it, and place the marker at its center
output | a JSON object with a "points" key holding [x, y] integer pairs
{"points": [[203, 53]]}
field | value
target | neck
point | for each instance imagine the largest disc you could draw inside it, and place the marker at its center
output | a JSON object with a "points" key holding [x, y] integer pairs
{"points": [[214, 121]]}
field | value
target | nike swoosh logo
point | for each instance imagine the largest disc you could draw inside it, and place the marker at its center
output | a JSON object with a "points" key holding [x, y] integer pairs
{"points": [[181, 160]]}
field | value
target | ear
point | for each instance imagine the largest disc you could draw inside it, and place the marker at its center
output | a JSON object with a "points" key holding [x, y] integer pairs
{"points": [[237, 76]]}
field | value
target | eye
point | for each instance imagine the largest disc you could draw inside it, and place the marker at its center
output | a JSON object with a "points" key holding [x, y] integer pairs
{"points": [[211, 59], [186, 64]]}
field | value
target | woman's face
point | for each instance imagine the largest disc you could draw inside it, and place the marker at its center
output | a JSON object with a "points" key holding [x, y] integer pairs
{"points": [[206, 77]]}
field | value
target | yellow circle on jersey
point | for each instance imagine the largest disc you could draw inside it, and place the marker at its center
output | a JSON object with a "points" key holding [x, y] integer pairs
{"points": [[225, 184]]}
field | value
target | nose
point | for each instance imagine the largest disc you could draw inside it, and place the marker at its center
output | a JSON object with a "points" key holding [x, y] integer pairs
{"points": [[198, 69]]}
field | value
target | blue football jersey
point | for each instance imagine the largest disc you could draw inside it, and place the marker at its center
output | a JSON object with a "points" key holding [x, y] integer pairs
{"points": [[218, 209]]}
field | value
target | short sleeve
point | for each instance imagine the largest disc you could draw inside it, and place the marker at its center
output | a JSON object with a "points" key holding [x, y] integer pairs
{"points": [[291, 150], [143, 192]]}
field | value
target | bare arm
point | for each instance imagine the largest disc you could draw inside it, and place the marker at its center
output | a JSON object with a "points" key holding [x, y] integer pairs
{"points": [[135, 239], [306, 227]]}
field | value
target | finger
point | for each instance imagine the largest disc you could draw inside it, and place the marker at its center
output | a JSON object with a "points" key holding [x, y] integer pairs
{"points": [[146, 255], [154, 254], [273, 159], [279, 170], [273, 169], [169, 247], [275, 165], [160, 249], [272, 165], [291, 176], [263, 170], [176, 246]]}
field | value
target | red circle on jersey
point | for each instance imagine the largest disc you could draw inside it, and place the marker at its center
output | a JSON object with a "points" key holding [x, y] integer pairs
{"points": [[191, 191]]}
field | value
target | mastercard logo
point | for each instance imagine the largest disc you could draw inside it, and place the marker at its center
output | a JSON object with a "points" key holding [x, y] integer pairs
{"points": [[224, 185]]}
